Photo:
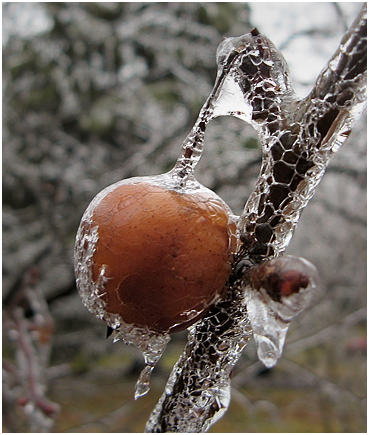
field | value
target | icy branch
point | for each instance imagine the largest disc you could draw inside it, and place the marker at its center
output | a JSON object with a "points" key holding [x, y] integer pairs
{"points": [[298, 138]]}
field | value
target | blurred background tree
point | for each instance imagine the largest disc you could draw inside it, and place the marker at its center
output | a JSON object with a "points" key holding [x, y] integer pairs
{"points": [[97, 92]]}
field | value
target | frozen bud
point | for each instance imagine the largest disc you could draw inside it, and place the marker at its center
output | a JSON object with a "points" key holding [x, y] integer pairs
{"points": [[277, 291]]}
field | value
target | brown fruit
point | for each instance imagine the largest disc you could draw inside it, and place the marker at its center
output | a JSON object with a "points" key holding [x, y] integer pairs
{"points": [[161, 257]]}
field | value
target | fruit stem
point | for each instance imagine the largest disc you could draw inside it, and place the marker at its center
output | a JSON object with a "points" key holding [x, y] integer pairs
{"points": [[193, 145]]}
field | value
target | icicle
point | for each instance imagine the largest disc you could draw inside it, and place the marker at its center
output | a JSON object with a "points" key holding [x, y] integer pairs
{"points": [[152, 346]]}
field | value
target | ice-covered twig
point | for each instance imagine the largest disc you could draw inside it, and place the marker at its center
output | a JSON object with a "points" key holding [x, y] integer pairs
{"points": [[298, 137]]}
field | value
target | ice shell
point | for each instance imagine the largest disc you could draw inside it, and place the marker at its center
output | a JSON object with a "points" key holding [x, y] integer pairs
{"points": [[152, 256]]}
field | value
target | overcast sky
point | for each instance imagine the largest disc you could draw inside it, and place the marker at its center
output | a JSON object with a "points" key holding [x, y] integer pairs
{"points": [[306, 53]]}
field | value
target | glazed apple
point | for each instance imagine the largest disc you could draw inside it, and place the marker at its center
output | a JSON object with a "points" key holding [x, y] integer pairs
{"points": [[152, 256]]}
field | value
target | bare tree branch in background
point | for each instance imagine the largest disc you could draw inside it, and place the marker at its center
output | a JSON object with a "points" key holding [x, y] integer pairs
{"points": [[31, 327]]}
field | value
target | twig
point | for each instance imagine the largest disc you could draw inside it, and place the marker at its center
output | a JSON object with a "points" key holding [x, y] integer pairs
{"points": [[33, 345]]}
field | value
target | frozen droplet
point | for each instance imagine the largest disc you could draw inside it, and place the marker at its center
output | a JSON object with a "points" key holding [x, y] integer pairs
{"points": [[268, 330], [152, 350], [143, 382], [279, 290], [152, 346], [268, 352]]}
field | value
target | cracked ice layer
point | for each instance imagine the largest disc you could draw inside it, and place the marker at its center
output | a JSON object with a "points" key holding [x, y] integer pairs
{"points": [[198, 390]]}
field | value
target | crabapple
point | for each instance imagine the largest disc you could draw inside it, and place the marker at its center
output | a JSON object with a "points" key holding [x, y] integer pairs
{"points": [[154, 256]]}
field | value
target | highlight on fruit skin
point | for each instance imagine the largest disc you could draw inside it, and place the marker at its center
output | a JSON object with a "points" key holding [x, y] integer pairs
{"points": [[153, 256]]}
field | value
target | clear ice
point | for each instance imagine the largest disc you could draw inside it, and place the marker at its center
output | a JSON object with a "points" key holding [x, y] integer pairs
{"points": [[298, 137]]}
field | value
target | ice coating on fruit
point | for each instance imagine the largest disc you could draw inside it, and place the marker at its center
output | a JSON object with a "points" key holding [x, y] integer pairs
{"points": [[151, 256]]}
